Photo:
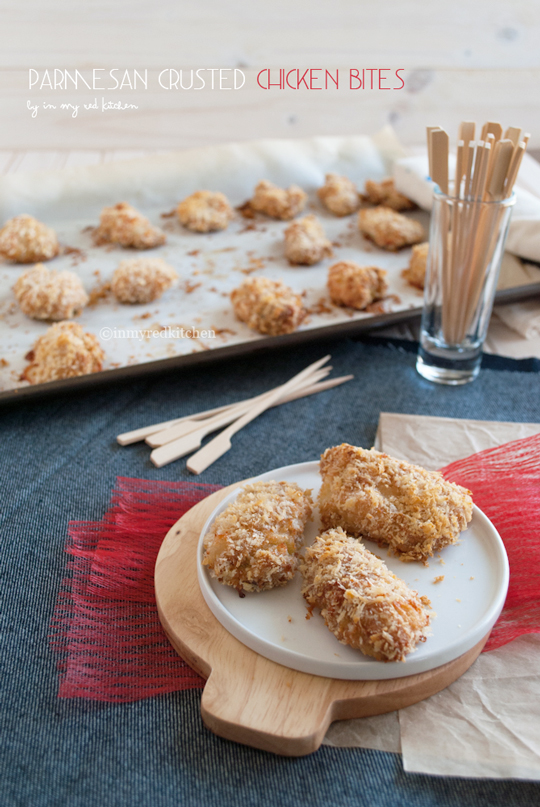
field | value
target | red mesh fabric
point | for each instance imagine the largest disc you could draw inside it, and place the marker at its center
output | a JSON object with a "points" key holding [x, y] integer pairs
{"points": [[505, 483], [106, 632]]}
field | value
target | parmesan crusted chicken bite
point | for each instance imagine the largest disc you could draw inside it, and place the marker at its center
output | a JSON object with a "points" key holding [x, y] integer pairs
{"points": [[205, 211], [356, 286], [361, 601], [339, 195], [64, 351], [254, 544], [388, 229], [45, 294], [415, 274], [306, 242], [24, 239], [142, 280], [124, 225], [278, 202], [371, 495], [268, 306], [384, 193]]}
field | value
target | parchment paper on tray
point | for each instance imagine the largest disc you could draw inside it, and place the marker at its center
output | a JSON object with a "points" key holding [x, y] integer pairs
{"points": [[209, 265]]}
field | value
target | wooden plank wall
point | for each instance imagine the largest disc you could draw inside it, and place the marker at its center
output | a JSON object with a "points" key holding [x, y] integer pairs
{"points": [[468, 59]]}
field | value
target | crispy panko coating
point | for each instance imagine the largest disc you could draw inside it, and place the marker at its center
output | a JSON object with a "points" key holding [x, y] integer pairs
{"points": [[388, 229], [45, 294], [356, 286], [305, 242], [361, 601], [279, 203], [205, 211], [24, 239], [64, 351], [254, 544], [142, 280], [415, 274], [384, 193], [124, 225], [339, 195], [268, 306], [371, 495]]}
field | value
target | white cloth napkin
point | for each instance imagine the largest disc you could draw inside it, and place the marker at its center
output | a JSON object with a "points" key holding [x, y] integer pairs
{"points": [[487, 723]]}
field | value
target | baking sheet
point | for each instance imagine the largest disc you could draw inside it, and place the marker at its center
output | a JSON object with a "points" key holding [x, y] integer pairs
{"points": [[148, 338]]}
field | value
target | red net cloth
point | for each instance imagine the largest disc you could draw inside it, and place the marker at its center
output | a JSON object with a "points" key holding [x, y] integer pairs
{"points": [[505, 483], [106, 630], [109, 641]]}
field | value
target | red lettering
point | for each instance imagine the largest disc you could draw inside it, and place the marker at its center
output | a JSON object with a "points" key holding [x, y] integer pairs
{"points": [[371, 70], [303, 80], [278, 84], [258, 77], [313, 78], [328, 75], [382, 78], [354, 74], [287, 80], [400, 70]]}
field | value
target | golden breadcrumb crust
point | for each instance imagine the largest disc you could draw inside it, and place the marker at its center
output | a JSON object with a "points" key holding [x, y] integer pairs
{"points": [[371, 495], [306, 242], [205, 211], [51, 295], [361, 601], [415, 274], [268, 306], [384, 193], [388, 229], [142, 280], [339, 195], [253, 545], [64, 351], [278, 203], [354, 285], [123, 224], [24, 239]]}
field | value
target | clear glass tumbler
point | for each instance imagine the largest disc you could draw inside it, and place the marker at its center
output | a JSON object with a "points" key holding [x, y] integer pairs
{"points": [[466, 245]]}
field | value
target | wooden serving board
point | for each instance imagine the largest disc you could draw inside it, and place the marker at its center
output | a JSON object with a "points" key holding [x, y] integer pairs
{"points": [[248, 698]]}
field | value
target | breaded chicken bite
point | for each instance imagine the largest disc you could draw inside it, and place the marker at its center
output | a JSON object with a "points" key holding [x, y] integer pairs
{"points": [[24, 239], [361, 601], [388, 229], [306, 242], [254, 544], [205, 211], [142, 280], [64, 351], [371, 495], [124, 225], [339, 195], [279, 203], [384, 193], [356, 286], [45, 294], [268, 306], [415, 274]]}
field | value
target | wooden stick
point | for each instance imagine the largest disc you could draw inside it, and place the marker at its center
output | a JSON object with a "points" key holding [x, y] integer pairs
{"points": [[209, 425], [135, 436], [439, 148], [492, 127], [430, 129], [513, 134], [504, 151], [514, 167]]}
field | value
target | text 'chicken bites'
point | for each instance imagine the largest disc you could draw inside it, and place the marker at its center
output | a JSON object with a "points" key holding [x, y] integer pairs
{"points": [[44, 294], [24, 239], [254, 544], [371, 495], [306, 242], [205, 212], [268, 306], [388, 229], [361, 601], [278, 203], [356, 286], [122, 224]]}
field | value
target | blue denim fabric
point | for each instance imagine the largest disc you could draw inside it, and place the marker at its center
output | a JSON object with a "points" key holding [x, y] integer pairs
{"points": [[59, 461]]}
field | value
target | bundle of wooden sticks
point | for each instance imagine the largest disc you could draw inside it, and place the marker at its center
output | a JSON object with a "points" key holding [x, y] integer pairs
{"points": [[470, 219]]}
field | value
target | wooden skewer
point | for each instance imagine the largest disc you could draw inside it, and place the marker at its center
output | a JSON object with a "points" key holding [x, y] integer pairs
{"points": [[135, 436], [513, 169], [439, 149], [209, 425], [430, 129], [492, 127], [503, 153], [513, 134]]}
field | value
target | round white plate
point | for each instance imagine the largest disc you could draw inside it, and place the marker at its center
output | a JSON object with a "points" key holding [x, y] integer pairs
{"points": [[467, 602]]}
